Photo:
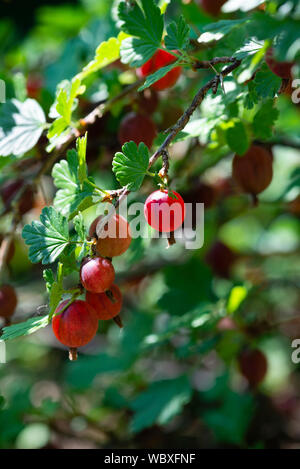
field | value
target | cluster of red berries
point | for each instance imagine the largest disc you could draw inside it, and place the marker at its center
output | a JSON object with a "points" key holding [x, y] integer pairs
{"points": [[75, 324]]}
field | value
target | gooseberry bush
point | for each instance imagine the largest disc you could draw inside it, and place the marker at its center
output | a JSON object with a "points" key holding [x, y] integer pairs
{"points": [[184, 102]]}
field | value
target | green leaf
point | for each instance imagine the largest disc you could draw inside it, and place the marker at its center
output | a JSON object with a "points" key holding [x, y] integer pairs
{"points": [[49, 279], [106, 53], [130, 167], [136, 51], [48, 237], [24, 328], [264, 120], [146, 25], [216, 31], [21, 125], [54, 287], [70, 177], [157, 76], [160, 402], [230, 421], [236, 297], [64, 105], [177, 35], [237, 138], [81, 152], [266, 83]]}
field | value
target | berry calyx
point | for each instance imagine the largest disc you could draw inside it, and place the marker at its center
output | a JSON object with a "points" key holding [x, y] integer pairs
{"points": [[107, 306], [97, 275], [114, 239], [281, 69], [164, 211], [76, 326], [212, 7], [137, 128], [253, 366], [253, 171], [8, 301], [160, 59]]}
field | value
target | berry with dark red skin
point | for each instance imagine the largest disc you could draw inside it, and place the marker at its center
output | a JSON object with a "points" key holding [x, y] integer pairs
{"points": [[212, 7], [254, 170], [147, 101], [253, 366], [11, 189], [11, 250], [76, 325], [97, 275], [161, 59], [163, 212], [281, 69], [8, 301], [137, 128], [114, 239], [34, 86], [106, 307], [220, 258]]}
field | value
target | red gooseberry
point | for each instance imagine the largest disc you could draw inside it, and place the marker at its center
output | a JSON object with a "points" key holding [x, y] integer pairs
{"points": [[76, 325], [137, 128], [97, 274], [8, 301], [220, 258], [106, 306], [114, 239], [165, 213], [253, 366], [160, 59], [253, 171], [212, 7], [281, 69]]}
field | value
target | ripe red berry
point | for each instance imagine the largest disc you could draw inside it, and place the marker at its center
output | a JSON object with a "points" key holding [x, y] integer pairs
{"points": [[160, 59], [253, 366], [115, 239], [253, 171], [137, 128], [106, 307], [8, 301], [76, 325], [281, 69], [220, 258], [163, 212], [97, 275], [212, 7]]}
